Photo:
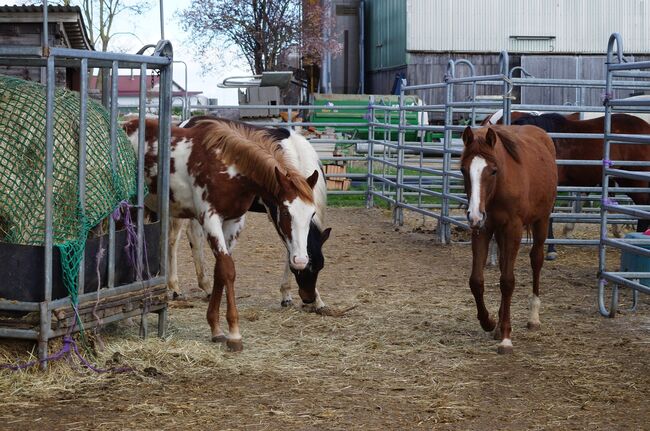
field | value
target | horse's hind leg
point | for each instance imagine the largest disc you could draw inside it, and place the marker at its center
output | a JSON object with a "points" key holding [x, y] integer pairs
{"points": [[509, 241], [551, 254], [536, 261], [195, 236], [480, 245], [176, 226]]}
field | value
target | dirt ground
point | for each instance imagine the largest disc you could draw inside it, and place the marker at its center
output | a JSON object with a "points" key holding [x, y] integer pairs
{"points": [[411, 355]]}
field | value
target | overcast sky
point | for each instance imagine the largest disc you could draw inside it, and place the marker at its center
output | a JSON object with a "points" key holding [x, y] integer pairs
{"points": [[146, 29]]}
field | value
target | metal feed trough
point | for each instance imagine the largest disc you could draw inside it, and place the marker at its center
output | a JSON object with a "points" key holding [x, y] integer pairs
{"points": [[49, 313]]}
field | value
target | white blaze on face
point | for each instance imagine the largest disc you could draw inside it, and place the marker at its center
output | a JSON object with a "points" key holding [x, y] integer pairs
{"points": [[301, 215], [232, 171], [475, 172]]}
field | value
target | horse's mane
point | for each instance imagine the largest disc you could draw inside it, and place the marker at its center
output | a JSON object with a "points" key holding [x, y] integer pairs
{"points": [[481, 148], [255, 153], [550, 122]]}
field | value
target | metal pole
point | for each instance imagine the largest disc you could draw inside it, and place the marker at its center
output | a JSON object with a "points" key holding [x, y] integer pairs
{"points": [[443, 225], [507, 87], [141, 153], [113, 141], [398, 211], [162, 21], [602, 251], [83, 98], [45, 312], [371, 153]]}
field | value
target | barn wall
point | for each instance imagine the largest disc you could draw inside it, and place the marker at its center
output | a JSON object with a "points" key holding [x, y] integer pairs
{"points": [[524, 26], [431, 68], [381, 82], [567, 67]]}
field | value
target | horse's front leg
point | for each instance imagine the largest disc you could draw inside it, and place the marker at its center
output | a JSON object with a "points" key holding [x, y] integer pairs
{"points": [[195, 237], [221, 240], [480, 246], [285, 285], [509, 241]]}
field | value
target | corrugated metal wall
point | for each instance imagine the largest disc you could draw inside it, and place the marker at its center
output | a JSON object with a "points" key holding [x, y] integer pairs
{"points": [[557, 26], [385, 34], [569, 67]]}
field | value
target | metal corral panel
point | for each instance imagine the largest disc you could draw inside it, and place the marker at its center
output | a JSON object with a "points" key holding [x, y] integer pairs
{"points": [[385, 34], [526, 26]]}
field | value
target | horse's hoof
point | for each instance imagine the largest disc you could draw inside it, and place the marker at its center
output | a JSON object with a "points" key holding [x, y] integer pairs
{"points": [[551, 255], [533, 326], [234, 345], [286, 303], [219, 339], [504, 350], [489, 325]]}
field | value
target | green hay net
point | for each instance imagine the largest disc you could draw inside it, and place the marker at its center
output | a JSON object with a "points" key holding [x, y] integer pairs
{"points": [[22, 171]]}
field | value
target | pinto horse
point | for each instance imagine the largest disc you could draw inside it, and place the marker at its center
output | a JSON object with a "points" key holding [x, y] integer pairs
{"points": [[592, 149], [510, 182], [303, 158], [216, 171]]}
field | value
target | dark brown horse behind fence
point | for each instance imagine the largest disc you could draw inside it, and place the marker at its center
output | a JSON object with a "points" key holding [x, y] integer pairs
{"points": [[592, 149], [510, 182]]}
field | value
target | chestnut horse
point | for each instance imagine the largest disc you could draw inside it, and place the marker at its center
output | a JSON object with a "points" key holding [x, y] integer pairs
{"points": [[303, 158], [216, 171], [510, 182], [592, 149]]}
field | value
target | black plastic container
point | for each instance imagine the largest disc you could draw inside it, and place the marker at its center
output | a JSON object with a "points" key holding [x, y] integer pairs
{"points": [[21, 266]]}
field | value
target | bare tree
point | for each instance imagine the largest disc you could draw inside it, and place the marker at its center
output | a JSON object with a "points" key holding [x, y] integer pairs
{"points": [[101, 14], [260, 29]]}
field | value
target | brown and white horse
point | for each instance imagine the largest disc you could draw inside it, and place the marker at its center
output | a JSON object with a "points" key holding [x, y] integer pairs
{"points": [[302, 156], [217, 169], [510, 182]]}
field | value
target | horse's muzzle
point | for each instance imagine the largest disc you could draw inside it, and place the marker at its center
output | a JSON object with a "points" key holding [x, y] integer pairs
{"points": [[299, 263], [476, 222]]}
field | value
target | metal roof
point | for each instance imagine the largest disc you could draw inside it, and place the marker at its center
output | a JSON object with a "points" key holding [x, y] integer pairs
{"points": [[70, 17]]}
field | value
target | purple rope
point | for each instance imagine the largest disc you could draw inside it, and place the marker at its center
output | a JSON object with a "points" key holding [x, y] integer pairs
{"points": [[607, 163], [605, 97], [69, 346], [608, 201]]}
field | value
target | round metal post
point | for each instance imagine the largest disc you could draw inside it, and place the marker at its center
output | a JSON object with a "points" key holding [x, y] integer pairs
{"points": [[602, 251], [371, 153], [398, 211], [443, 224], [507, 86]]}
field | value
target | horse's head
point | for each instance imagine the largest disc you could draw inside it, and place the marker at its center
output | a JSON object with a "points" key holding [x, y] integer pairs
{"points": [[307, 278], [296, 208], [479, 168]]}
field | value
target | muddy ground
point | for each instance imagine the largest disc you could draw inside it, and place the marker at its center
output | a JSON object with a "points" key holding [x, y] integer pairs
{"points": [[411, 355]]}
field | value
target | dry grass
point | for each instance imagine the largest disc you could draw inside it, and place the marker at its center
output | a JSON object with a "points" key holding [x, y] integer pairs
{"points": [[409, 355]]}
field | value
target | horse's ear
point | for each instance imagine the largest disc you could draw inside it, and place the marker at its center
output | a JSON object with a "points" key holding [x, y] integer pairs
{"points": [[325, 235], [281, 178], [490, 137], [313, 178], [468, 135]]}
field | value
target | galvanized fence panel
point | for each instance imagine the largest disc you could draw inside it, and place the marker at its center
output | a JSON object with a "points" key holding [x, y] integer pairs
{"points": [[48, 59], [635, 248]]}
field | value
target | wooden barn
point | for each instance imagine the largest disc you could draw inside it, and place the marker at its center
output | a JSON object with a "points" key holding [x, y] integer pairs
{"points": [[22, 26]]}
